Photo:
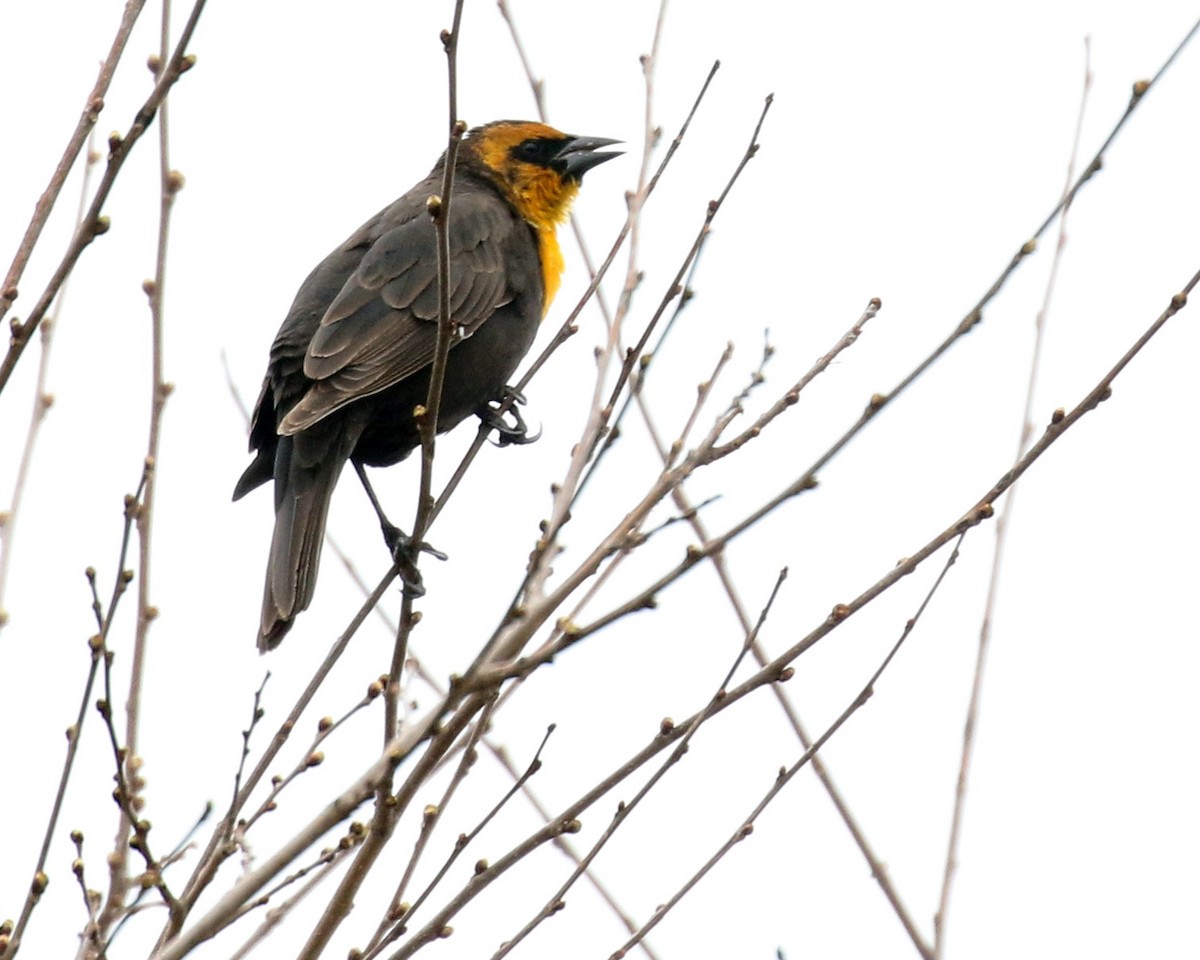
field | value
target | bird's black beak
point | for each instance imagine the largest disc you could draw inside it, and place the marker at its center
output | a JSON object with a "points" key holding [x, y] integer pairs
{"points": [[577, 155]]}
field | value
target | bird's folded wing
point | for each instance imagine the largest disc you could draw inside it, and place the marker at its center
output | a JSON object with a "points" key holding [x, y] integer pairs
{"points": [[382, 326]]}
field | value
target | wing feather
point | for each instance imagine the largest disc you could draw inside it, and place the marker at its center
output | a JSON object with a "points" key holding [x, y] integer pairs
{"points": [[381, 327]]}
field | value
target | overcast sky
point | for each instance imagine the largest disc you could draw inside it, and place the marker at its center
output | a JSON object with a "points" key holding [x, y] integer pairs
{"points": [[910, 151]]}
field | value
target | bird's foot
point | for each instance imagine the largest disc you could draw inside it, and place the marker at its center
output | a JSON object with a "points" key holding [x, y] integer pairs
{"points": [[516, 432], [405, 553]]}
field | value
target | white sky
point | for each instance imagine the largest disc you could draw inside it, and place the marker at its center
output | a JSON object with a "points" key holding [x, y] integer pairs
{"points": [[910, 151]]}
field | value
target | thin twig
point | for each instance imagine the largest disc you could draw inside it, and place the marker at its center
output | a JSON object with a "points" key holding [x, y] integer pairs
{"points": [[462, 842], [500, 753], [43, 400], [439, 208], [625, 809], [645, 363], [38, 885], [95, 224], [218, 849], [746, 828], [256, 715], [170, 183], [328, 858], [975, 314], [114, 908], [364, 788], [91, 899], [982, 510], [321, 871], [719, 561], [670, 481], [313, 757], [536, 85], [87, 122], [1002, 526], [430, 818], [878, 868]]}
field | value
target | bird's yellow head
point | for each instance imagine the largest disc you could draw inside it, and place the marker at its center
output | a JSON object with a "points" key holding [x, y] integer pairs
{"points": [[538, 169]]}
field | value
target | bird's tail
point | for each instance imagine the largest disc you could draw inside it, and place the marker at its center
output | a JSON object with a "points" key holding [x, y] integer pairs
{"points": [[307, 467]]}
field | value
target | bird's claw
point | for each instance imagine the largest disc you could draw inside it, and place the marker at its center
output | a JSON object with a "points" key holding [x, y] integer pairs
{"points": [[516, 432], [403, 552]]}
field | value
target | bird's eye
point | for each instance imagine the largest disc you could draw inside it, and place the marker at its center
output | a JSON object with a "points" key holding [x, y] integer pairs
{"points": [[530, 150]]}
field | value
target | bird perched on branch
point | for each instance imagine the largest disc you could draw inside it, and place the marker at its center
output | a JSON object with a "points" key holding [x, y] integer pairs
{"points": [[353, 358]]}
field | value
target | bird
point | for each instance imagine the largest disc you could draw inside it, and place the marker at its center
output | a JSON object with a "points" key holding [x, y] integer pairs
{"points": [[352, 358]]}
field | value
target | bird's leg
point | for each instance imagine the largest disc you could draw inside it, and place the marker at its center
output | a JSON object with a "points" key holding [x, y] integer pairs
{"points": [[399, 543], [507, 433]]}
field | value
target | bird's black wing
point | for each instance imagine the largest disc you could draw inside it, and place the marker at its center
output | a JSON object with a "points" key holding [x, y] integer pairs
{"points": [[382, 326]]}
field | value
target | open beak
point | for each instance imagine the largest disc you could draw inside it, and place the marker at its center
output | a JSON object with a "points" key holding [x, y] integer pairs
{"points": [[578, 155]]}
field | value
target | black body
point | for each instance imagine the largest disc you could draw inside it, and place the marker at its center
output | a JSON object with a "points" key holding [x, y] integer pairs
{"points": [[353, 358]]}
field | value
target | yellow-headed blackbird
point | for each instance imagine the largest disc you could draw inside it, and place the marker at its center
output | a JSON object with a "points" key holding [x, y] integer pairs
{"points": [[352, 360]]}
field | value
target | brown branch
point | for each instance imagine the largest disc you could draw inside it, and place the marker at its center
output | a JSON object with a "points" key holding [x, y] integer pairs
{"points": [[670, 481], [323, 869], [43, 400], [329, 857], [439, 929], [645, 363], [115, 909], [363, 789], [876, 865], [975, 314], [536, 85], [982, 510], [219, 848], [312, 757], [256, 715], [83, 128], [430, 818], [688, 511], [170, 182], [1002, 526], [501, 755], [746, 828], [388, 810], [625, 809], [460, 844], [9, 950], [95, 224]]}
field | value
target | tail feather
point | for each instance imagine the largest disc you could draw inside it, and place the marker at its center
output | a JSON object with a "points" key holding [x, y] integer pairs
{"points": [[307, 467]]}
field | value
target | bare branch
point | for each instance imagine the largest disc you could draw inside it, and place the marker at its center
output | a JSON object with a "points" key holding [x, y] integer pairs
{"points": [[785, 775], [1002, 526], [95, 224], [83, 129]]}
